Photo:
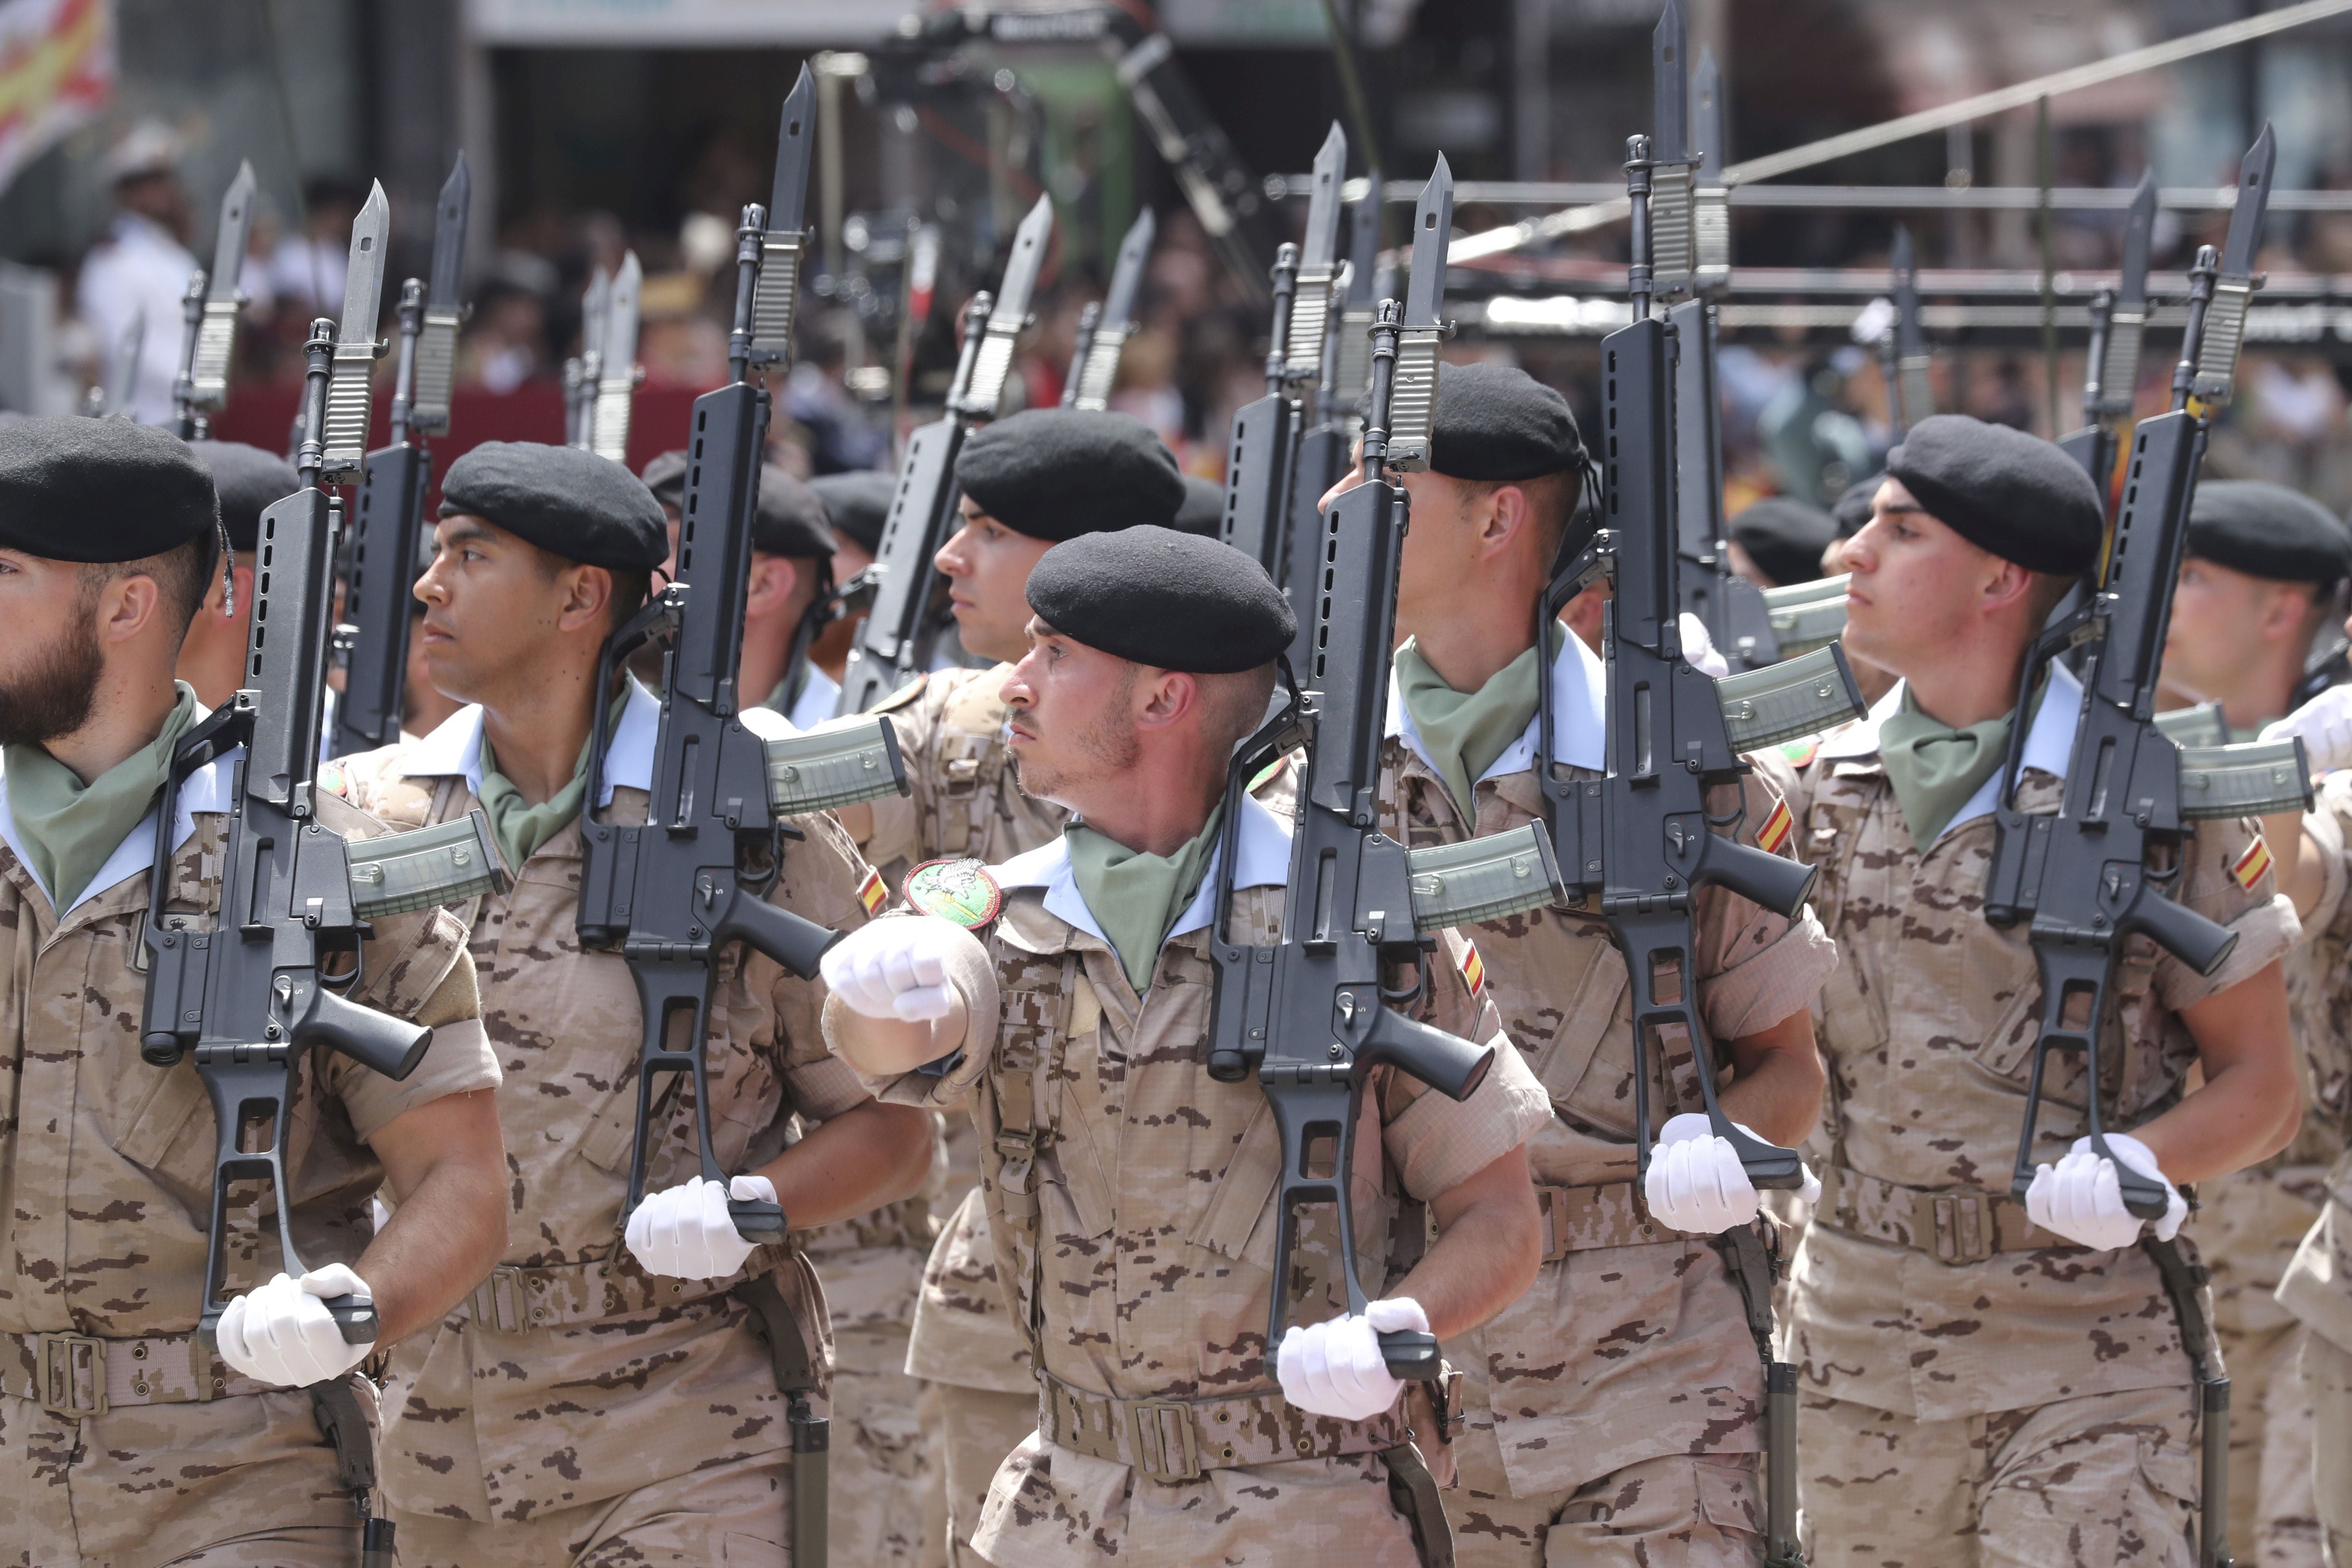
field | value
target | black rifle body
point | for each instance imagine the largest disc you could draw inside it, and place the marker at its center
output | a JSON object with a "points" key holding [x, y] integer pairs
{"points": [[1731, 608], [387, 523]]}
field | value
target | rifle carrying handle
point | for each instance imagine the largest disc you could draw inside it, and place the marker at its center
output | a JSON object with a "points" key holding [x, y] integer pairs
{"points": [[1410, 1355]]}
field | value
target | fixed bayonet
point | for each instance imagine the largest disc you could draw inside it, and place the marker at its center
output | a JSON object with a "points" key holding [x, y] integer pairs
{"points": [[617, 385], [2127, 320], [437, 340], [1710, 200], [581, 373], [1310, 308], [1413, 400], [783, 243], [351, 392], [1097, 358], [1010, 315], [1352, 361], [1672, 263], [208, 371], [2233, 288]]}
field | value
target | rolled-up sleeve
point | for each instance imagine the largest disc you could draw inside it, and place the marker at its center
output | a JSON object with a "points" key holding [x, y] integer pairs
{"points": [[973, 974], [2262, 919]]}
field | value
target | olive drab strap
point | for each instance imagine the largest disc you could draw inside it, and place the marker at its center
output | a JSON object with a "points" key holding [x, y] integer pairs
{"points": [[971, 773], [1027, 1042], [2183, 1281], [345, 1426], [796, 1375], [1751, 1253], [1413, 1492]]}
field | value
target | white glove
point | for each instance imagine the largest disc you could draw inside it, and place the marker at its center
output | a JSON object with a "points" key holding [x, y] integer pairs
{"points": [[895, 968], [282, 1333], [1336, 1368], [1697, 1182], [1699, 649], [2079, 1198], [684, 1231], [2326, 725]]}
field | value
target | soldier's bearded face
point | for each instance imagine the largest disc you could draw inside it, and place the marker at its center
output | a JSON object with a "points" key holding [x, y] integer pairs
{"points": [[1071, 729], [987, 567], [50, 662]]}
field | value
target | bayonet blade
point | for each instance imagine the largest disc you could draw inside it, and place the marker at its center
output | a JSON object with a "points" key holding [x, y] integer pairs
{"points": [[595, 305], [208, 369], [2139, 229], [1011, 312], [1352, 371], [1116, 323], [1364, 244], [1310, 309], [1669, 85], [1911, 388], [2254, 203], [784, 241], [1706, 119], [436, 340], [350, 389], [2234, 291], [1672, 245], [450, 213], [1413, 398], [2118, 368], [235, 227], [1710, 202], [616, 385]]}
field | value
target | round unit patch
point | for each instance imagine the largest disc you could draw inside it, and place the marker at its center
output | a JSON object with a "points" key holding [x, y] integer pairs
{"points": [[955, 889]]}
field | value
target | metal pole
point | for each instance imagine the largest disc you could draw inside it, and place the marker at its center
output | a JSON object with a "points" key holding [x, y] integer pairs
{"points": [[2048, 265]]}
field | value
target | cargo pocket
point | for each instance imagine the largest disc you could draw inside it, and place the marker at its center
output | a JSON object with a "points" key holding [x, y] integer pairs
{"points": [[170, 1135]]}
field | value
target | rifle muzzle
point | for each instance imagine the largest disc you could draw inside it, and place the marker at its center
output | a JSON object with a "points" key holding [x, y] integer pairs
{"points": [[377, 1041], [1448, 1063], [1763, 879]]}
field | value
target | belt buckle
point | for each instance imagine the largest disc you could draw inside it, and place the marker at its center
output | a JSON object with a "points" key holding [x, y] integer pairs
{"points": [[1160, 1416], [1958, 1225], [57, 1359]]}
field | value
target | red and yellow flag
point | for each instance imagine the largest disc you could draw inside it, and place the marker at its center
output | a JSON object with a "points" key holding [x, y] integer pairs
{"points": [[2248, 869], [57, 70], [1776, 829]]}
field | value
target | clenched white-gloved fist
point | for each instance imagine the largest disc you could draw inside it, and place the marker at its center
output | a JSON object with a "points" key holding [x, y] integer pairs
{"points": [[2326, 725], [895, 968], [2081, 1199], [282, 1332], [1699, 649], [1334, 1368], [1697, 1182], [684, 1231]]}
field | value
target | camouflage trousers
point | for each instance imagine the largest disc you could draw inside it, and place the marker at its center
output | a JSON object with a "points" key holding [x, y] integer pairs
{"points": [[881, 1469], [246, 1481], [968, 1432], [2274, 1518], [1698, 1510], [2327, 1379], [2094, 1482], [729, 1516]]}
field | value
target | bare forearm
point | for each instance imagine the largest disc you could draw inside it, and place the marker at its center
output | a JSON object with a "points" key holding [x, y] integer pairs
{"points": [[855, 1163], [444, 1239], [1776, 1086], [1489, 1245], [2299, 865], [2251, 1102]]}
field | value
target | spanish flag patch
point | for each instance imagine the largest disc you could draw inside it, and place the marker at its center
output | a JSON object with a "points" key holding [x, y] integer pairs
{"points": [[1776, 829], [873, 892], [1473, 968], [2249, 868]]}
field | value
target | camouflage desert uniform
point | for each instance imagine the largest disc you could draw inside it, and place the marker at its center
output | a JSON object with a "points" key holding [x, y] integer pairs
{"points": [[122, 1442], [2317, 1283], [576, 1409], [1978, 1390], [1612, 1413], [1131, 1201]]}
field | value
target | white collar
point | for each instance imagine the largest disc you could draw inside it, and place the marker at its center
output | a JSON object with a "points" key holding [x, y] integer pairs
{"points": [[2048, 744], [206, 789], [1580, 697], [455, 747], [1264, 855], [820, 694]]}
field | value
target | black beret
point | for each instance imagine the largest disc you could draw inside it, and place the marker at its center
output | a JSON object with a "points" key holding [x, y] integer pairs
{"points": [[1785, 538], [1852, 508], [791, 520], [1170, 600], [856, 504], [101, 490], [567, 501], [2268, 530], [1497, 421], [1204, 512], [249, 481], [2004, 490], [1057, 473], [665, 477]]}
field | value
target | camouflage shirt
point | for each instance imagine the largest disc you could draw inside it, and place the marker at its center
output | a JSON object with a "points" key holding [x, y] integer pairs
{"points": [[1928, 1027], [1139, 1241], [550, 1407], [2316, 1284], [1634, 1341]]}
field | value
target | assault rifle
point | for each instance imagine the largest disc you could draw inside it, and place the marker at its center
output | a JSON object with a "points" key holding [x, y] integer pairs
{"points": [[1641, 841], [1329, 416], [1903, 353], [1104, 328], [1308, 1014], [390, 515], [2118, 320], [209, 343], [250, 994], [2082, 881], [892, 647]]}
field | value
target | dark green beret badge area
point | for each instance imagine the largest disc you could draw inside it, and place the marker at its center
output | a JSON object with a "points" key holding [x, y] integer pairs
{"points": [[955, 889]]}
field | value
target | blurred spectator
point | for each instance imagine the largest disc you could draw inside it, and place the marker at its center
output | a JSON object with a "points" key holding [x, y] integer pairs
{"points": [[309, 266], [506, 344], [142, 267], [842, 439]]}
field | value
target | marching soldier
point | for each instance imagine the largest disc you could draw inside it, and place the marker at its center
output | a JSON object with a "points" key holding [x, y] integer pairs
{"points": [[605, 1396], [125, 1441], [248, 481], [856, 505], [1028, 482], [1134, 1235], [1613, 1410], [2260, 580], [1991, 1381]]}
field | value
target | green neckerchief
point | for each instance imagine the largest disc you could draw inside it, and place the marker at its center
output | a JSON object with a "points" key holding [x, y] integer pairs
{"points": [[1935, 768], [1464, 733], [69, 828], [1137, 897], [519, 829]]}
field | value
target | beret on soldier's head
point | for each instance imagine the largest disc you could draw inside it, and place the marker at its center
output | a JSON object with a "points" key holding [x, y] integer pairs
{"points": [[2268, 530], [1057, 473], [665, 477], [567, 501], [1785, 538], [1852, 509], [1204, 512], [249, 481], [2004, 492], [1170, 600], [101, 490], [790, 520], [856, 504], [1496, 422]]}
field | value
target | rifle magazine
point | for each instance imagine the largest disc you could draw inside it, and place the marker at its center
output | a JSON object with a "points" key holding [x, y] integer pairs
{"points": [[2255, 778], [1797, 696], [833, 766], [422, 869], [1483, 879], [2199, 727], [1806, 615]]}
